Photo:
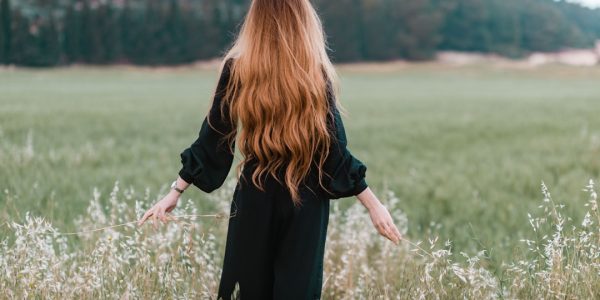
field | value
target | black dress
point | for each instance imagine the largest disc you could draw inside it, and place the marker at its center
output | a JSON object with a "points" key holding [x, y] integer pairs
{"points": [[273, 249]]}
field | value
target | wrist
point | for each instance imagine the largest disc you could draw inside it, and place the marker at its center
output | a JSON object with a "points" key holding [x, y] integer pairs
{"points": [[372, 206], [176, 189], [369, 200], [175, 194], [371, 203]]}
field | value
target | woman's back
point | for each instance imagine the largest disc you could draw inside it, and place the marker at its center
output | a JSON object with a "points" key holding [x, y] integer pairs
{"points": [[343, 174], [276, 95]]}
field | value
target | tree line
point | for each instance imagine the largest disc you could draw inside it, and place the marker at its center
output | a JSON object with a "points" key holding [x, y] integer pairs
{"points": [[154, 32]]}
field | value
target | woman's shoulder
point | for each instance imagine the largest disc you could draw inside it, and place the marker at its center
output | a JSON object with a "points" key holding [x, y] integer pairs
{"points": [[229, 61], [226, 65]]}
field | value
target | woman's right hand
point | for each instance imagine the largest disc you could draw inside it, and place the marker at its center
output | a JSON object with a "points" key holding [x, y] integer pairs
{"points": [[159, 210], [383, 222], [380, 216]]}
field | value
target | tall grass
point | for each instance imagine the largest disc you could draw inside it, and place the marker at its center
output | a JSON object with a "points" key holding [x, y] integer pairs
{"points": [[464, 149], [560, 259]]}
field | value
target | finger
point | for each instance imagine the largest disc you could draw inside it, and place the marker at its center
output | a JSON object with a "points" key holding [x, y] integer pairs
{"points": [[169, 218], [163, 216], [394, 233], [155, 224], [145, 217], [155, 219], [389, 233], [382, 230], [159, 213], [397, 231], [142, 219]]}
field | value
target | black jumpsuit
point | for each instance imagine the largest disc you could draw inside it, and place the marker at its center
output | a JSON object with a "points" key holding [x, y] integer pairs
{"points": [[273, 249]]}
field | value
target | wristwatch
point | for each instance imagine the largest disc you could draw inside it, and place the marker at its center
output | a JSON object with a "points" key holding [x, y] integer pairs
{"points": [[174, 187]]}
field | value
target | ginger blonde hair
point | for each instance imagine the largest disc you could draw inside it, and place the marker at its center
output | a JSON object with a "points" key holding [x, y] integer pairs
{"points": [[278, 91]]}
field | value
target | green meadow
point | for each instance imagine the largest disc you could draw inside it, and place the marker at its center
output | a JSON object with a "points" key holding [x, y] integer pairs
{"points": [[464, 149]]}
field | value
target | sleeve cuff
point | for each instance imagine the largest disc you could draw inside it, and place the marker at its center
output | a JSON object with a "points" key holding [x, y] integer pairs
{"points": [[185, 176], [360, 186]]}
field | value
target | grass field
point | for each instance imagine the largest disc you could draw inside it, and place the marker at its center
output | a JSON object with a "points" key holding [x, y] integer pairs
{"points": [[464, 149]]}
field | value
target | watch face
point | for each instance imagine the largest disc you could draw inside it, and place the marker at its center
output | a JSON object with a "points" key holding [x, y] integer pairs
{"points": [[174, 184]]}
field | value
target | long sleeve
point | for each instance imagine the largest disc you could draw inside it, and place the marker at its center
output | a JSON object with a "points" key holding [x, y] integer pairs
{"points": [[208, 160], [346, 171]]}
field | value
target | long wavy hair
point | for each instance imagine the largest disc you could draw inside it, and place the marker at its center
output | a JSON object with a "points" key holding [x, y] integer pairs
{"points": [[277, 94]]}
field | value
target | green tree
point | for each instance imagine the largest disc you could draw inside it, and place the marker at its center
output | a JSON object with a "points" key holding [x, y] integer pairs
{"points": [[37, 41], [505, 27], [179, 31], [344, 23], [106, 31], [465, 26], [5, 31], [49, 44], [416, 35], [128, 34], [585, 19], [71, 35], [545, 28]]}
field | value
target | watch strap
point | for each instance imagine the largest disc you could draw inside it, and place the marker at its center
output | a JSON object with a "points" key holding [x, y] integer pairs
{"points": [[174, 187]]}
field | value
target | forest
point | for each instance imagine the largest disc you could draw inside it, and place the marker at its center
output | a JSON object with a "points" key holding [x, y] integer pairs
{"points": [[159, 32]]}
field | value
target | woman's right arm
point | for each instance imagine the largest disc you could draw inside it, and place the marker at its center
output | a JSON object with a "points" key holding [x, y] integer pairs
{"points": [[380, 216], [348, 177]]}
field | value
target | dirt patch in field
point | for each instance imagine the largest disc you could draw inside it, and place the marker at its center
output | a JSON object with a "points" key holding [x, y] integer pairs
{"points": [[443, 60]]}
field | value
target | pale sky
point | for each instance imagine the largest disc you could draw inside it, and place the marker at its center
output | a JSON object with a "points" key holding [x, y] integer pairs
{"points": [[590, 3]]}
